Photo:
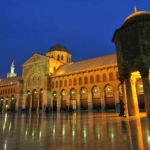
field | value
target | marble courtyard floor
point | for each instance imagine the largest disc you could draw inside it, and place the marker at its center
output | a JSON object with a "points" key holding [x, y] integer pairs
{"points": [[74, 131]]}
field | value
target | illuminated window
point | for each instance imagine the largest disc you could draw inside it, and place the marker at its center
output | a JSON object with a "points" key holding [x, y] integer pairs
{"points": [[110, 76], [70, 82], [91, 79], [74, 81], [97, 78], [104, 77], [85, 80], [65, 83], [80, 81]]}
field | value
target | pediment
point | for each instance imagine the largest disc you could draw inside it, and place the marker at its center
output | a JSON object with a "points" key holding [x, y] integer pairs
{"points": [[35, 58]]}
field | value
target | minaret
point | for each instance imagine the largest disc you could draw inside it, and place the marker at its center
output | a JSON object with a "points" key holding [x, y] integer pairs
{"points": [[12, 74]]}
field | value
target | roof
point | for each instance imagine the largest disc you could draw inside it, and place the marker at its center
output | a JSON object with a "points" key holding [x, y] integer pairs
{"points": [[136, 16], [58, 47], [11, 80], [87, 64]]}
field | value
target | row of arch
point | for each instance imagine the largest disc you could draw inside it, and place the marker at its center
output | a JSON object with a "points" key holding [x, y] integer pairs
{"points": [[61, 57], [8, 103], [34, 100], [8, 91], [109, 97], [84, 80]]}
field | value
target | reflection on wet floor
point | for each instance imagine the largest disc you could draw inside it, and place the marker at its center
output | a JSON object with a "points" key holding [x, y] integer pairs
{"points": [[74, 131]]}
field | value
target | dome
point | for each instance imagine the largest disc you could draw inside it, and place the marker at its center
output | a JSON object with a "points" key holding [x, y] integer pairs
{"points": [[136, 16], [58, 47]]}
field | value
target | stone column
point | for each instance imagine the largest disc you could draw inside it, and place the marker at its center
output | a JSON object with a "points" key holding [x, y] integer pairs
{"points": [[116, 95], [124, 98], [90, 105], [30, 103], [146, 87], [38, 97], [78, 101], [132, 102], [102, 100], [3, 109], [58, 102]]}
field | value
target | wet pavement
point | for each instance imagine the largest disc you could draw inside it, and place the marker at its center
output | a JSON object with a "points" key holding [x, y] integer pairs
{"points": [[75, 131]]}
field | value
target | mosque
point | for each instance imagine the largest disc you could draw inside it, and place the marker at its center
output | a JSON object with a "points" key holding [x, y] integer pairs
{"points": [[96, 84]]}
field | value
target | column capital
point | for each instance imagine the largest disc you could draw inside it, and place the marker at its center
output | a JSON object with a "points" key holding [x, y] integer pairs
{"points": [[144, 72]]}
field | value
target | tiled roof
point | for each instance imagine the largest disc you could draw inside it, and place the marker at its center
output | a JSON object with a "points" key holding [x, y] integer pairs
{"points": [[87, 64], [11, 80]]}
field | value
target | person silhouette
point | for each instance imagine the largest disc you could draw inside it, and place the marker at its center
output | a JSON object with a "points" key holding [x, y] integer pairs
{"points": [[122, 109]]}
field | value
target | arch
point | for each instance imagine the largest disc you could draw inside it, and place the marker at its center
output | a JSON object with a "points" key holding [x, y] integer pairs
{"points": [[62, 57], [73, 99], [12, 103], [40, 99], [96, 97], [97, 78], [70, 82], [140, 94], [54, 101], [80, 81], [61, 83], [34, 100], [91, 79], [74, 81], [104, 77], [56, 84], [28, 100], [65, 83], [63, 100], [109, 97], [85, 80], [58, 58], [83, 98], [110, 76]]}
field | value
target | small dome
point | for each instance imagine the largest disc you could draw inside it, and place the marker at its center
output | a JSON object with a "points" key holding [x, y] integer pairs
{"points": [[136, 16], [58, 47]]}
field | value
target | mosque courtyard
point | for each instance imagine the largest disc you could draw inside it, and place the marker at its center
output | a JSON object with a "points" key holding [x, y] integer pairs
{"points": [[73, 131]]}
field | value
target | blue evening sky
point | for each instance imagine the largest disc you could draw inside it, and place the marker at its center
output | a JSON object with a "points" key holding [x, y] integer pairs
{"points": [[84, 27]]}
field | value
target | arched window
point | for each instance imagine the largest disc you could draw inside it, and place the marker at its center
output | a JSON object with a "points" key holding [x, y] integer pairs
{"points": [[104, 77], [80, 81], [74, 81], [61, 83], [85, 80], [97, 78], [110, 76], [70, 82], [91, 79], [6, 91], [62, 57], [56, 84], [52, 84], [58, 57], [65, 83]]}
